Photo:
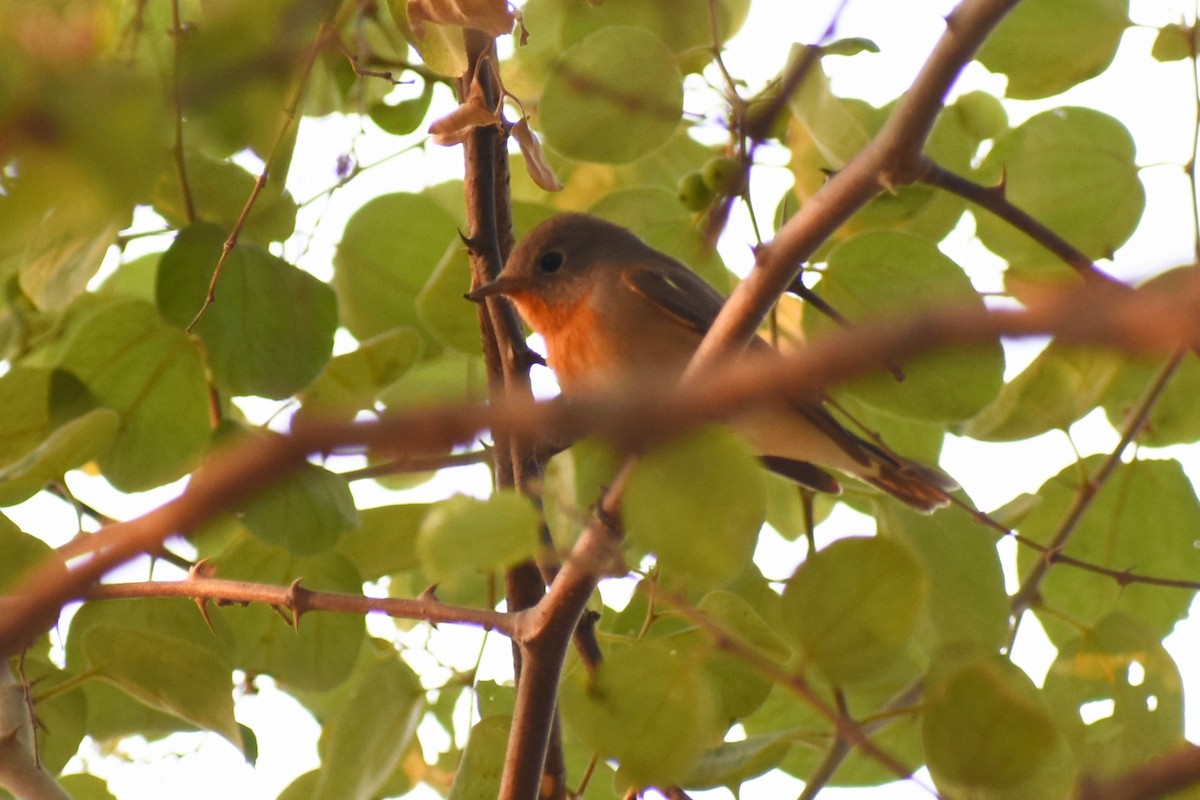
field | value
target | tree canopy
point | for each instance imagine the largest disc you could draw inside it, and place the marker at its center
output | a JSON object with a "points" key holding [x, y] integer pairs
{"points": [[248, 418]]}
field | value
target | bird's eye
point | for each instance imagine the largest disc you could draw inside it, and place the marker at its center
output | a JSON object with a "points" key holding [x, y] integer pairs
{"points": [[550, 262]]}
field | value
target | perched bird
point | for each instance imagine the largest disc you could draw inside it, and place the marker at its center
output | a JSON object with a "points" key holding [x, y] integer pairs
{"points": [[611, 308]]}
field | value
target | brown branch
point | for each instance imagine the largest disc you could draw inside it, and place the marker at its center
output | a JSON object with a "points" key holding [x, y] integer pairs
{"points": [[429, 463], [1142, 321], [535, 742], [891, 158], [299, 600], [1160, 777], [994, 200]]}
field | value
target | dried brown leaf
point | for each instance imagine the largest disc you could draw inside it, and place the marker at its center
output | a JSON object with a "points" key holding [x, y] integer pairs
{"points": [[456, 126], [493, 17], [535, 158]]}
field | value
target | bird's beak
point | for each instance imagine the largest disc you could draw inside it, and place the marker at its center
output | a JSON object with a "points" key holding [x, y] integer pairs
{"points": [[501, 286]]}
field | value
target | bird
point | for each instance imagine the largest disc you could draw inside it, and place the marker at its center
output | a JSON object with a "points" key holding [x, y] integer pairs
{"points": [[612, 309]]}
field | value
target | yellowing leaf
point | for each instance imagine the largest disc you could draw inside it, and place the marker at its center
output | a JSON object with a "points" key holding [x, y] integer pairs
{"points": [[985, 725], [697, 504], [854, 606], [494, 17], [647, 708]]}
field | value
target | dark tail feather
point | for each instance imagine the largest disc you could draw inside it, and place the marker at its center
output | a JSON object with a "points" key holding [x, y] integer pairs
{"points": [[921, 487], [803, 473]]}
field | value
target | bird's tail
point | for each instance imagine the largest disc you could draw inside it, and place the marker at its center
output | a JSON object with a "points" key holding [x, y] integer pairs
{"points": [[924, 488]]}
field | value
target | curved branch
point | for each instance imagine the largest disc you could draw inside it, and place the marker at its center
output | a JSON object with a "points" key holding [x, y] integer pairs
{"points": [[892, 158]]}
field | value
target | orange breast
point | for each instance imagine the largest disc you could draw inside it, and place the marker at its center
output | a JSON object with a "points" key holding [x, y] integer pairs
{"points": [[574, 349]]}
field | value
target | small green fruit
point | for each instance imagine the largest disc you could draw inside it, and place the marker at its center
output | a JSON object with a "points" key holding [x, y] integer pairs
{"points": [[982, 114], [722, 175], [694, 192]]}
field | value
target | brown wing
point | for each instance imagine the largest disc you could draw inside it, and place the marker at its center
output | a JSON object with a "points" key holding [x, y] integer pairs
{"points": [[689, 299], [677, 290]]}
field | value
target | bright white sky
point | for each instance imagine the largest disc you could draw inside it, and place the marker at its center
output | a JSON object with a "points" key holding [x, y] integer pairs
{"points": [[992, 474]]}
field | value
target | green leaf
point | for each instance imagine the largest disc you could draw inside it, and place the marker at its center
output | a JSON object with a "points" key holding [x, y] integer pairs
{"points": [[836, 130], [352, 381], [1173, 418], [683, 26], [166, 673], [495, 699], [112, 713], [320, 651], [63, 255], [1060, 386], [1122, 667], [378, 273], [1144, 519], [884, 275], [306, 512], [219, 191], [48, 429], [153, 376], [73, 444], [270, 328], [740, 688], [850, 46], [967, 601], [1073, 170], [83, 786], [652, 711], [479, 771], [619, 79], [405, 116], [854, 606], [134, 279], [985, 725], [442, 48], [1047, 46], [364, 740], [385, 541], [462, 536], [446, 378], [733, 763], [22, 554], [446, 315], [697, 504], [572, 484]]}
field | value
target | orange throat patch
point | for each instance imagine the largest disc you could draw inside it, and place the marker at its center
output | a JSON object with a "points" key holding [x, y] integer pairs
{"points": [[574, 345]]}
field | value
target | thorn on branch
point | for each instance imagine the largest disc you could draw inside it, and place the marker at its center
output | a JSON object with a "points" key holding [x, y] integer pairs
{"points": [[297, 599]]}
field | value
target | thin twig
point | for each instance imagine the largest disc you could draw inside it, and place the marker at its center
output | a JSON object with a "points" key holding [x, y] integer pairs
{"points": [[177, 148], [994, 200], [290, 118], [1091, 486], [299, 600]]}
